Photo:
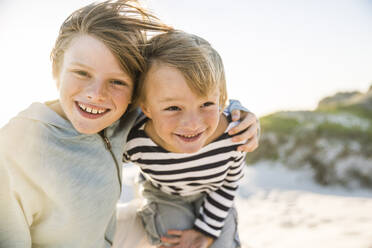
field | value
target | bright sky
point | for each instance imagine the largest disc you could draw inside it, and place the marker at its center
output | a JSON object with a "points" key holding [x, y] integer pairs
{"points": [[278, 55]]}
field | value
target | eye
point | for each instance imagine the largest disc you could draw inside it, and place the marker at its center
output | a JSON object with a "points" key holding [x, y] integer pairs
{"points": [[119, 82], [81, 73], [172, 108], [207, 104]]}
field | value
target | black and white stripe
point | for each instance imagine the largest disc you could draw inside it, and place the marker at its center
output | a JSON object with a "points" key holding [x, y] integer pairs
{"points": [[216, 170]]}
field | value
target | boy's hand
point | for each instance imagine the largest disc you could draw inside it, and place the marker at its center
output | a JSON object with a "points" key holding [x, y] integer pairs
{"points": [[186, 239], [247, 121]]}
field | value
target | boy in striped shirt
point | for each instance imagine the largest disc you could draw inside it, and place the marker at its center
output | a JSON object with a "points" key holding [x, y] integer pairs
{"points": [[190, 165]]}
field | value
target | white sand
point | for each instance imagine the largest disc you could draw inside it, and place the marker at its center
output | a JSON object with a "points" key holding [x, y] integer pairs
{"points": [[279, 208], [298, 219]]}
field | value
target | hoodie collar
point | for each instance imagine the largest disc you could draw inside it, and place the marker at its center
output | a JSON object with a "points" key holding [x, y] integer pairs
{"points": [[41, 112]]}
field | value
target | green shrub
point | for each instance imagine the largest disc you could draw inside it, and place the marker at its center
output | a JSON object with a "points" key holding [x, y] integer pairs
{"points": [[278, 124]]}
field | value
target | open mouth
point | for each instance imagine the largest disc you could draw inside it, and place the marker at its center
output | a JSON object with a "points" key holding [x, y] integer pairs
{"points": [[90, 111], [189, 138]]}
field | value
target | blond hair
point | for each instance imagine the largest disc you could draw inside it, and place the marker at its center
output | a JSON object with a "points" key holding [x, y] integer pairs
{"points": [[120, 25], [194, 57]]}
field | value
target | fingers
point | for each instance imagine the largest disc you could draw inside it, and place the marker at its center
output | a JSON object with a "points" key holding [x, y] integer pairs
{"points": [[168, 246], [172, 240], [251, 137], [175, 232], [249, 133], [249, 120], [250, 146], [235, 115]]}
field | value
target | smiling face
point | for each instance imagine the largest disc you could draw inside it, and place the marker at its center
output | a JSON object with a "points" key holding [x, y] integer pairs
{"points": [[94, 89], [180, 121]]}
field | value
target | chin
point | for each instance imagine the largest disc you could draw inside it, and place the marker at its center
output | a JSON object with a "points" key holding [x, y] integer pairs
{"points": [[190, 149]]}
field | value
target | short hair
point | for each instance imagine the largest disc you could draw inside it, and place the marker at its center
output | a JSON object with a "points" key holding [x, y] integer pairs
{"points": [[193, 56], [120, 25]]}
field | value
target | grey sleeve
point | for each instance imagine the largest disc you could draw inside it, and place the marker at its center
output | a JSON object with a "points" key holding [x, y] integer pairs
{"points": [[235, 104]]}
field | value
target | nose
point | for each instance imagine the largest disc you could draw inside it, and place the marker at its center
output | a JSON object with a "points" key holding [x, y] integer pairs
{"points": [[96, 91], [191, 120]]}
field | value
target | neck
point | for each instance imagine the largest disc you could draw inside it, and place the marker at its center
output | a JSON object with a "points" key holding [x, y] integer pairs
{"points": [[150, 131]]}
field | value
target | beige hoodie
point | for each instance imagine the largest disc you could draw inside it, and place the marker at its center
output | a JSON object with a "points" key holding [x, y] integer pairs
{"points": [[58, 187]]}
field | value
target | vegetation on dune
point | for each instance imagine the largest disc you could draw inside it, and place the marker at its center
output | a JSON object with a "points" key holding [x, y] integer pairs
{"points": [[335, 140]]}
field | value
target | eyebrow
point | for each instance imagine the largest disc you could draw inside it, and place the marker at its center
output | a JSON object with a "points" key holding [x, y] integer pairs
{"points": [[171, 98], [81, 65], [168, 99], [117, 74]]}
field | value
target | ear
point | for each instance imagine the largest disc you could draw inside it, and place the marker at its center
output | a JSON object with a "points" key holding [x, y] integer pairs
{"points": [[145, 110], [56, 77]]}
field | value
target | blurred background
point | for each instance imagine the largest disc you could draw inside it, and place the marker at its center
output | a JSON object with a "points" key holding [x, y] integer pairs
{"points": [[304, 67], [278, 55]]}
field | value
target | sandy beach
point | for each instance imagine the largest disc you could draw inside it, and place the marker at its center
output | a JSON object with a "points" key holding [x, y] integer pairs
{"points": [[279, 208]]}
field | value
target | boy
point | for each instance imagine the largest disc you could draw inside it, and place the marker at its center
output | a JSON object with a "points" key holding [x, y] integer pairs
{"points": [[190, 165]]}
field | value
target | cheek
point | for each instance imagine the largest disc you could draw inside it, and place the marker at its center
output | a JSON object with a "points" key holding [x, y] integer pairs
{"points": [[212, 117], [165, 123], [121, 99], [211, 120], [68, 86]]}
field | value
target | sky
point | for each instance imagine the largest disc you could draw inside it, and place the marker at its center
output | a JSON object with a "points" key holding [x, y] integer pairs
{"points": [[278, 54]]}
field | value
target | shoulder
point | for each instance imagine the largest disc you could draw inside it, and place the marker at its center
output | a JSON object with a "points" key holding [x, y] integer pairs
{"points": [[20, 129], [130, 117], [23, 139], [32, 125], [224, 140], [224, 126], [137, 128]]}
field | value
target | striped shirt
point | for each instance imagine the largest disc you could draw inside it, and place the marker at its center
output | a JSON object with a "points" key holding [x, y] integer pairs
{"points": [[215, 170]]}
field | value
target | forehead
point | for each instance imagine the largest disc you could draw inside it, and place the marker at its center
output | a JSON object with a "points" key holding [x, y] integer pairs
{"points": [[163, 72], [89, 51], [167, 82]]}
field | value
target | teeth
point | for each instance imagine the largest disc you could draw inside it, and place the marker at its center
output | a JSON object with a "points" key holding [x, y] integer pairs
{"points": [[189, 136], [91, 110], [82, 106]]}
